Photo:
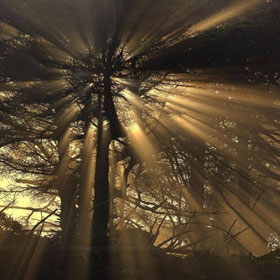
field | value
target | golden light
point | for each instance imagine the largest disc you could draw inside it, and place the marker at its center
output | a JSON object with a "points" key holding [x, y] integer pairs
{"points": [[227, 14]]}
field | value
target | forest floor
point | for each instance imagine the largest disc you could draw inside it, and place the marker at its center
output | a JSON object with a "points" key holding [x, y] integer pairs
{"points": [[47, 264]]}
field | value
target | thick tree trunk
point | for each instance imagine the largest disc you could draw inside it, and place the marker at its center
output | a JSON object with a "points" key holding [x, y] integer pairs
{"points": [[109, 107], [101, 204], [101, 189]]}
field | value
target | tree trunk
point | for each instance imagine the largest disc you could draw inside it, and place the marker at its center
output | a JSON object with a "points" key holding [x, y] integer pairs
{"points": [[101, 204], [101, 188]]}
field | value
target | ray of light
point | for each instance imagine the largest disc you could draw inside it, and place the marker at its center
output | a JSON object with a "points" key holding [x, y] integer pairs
{"points": [[252, 239], [185, 24], [86, 186], [7, 31], [65, 117], [65, 154], [142, 146], [229, 13], [56, 53], [29, 256]]}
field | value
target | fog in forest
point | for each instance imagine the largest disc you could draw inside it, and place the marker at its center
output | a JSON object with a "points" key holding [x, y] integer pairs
{"points": [[139, 139]]}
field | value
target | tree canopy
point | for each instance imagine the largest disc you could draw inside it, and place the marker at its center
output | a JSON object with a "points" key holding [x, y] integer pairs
{"points": [[158, 116]]}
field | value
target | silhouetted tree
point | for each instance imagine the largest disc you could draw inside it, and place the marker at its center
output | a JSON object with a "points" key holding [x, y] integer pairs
{"points": [[97, 67]]}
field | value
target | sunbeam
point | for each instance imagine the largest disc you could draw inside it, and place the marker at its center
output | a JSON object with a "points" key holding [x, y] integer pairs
{"points": [[148, 129]]}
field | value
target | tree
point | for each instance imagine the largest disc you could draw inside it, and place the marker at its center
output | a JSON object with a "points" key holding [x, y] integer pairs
{"points": [[88, 64]]}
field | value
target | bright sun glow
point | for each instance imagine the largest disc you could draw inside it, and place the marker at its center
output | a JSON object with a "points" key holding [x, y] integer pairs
{"points": [[137, 132]]}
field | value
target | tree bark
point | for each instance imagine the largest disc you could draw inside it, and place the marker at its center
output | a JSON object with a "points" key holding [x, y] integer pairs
{"points": [[101, 187], [101, 203]]}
